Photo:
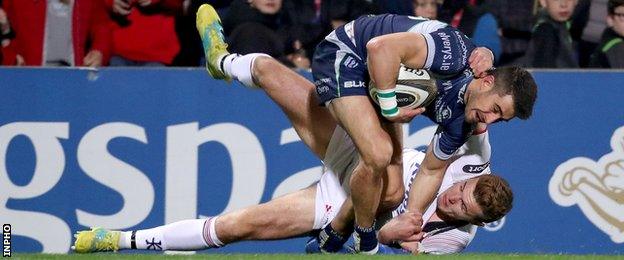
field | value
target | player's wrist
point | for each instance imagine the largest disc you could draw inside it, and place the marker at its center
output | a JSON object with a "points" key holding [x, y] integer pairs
{"points": [[388, 102]]}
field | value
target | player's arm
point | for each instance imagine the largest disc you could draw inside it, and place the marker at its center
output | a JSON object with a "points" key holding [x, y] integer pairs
{"points": [[387, 52], [427, 181], [402, 229], [385, 55]]}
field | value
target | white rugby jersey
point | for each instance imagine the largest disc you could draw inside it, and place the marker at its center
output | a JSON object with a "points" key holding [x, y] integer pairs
{"points": [[471, 160]]}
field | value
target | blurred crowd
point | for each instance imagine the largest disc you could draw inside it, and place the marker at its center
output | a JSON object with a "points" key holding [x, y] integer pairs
{"points": [[538, 34]]}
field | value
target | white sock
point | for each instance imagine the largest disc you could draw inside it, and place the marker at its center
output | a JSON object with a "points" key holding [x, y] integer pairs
{"points": [[240, 67], [210, 233], [181, 235]]}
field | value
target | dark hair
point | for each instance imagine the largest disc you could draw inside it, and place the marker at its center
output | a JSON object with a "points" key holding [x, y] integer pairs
{"points": [[518, 83], [494, 196], [614, 4]]}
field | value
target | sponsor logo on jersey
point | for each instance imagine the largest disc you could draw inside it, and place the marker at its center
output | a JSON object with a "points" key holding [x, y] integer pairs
{"points": [[350, 62], [447, 84], [328, 216], [354, 84], [447, 54], [321, 85], [464, 49], [322, 89], [470, 168], [597, 187], [460, 95], [444, 114]]}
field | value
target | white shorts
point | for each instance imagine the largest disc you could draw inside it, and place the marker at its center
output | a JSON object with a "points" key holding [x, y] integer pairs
{"points": [[333, 187]]}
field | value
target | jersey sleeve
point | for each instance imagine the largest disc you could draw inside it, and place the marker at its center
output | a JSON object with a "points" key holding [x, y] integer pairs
{"points": [[449, 138], [472, 158], [447, 51], [449, 242]]}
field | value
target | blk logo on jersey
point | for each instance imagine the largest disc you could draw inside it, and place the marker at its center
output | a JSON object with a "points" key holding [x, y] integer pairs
{"points": [[354, 84]]}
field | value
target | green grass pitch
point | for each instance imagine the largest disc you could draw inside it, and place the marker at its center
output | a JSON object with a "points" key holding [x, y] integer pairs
{"points": [[309, 257]]}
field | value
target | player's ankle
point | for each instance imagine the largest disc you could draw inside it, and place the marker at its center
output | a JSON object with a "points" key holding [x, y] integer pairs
{"points": [[241, 68], [366, 239], [125, 240], [330, 240]]}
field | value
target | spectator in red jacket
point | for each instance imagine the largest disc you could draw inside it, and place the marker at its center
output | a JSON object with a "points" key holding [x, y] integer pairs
{"points": [[5, 31], [57, 33], [144, 32]]}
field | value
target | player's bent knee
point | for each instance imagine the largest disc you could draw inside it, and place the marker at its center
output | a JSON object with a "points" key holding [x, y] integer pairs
{"points": [[378, 158], [265, 65]]}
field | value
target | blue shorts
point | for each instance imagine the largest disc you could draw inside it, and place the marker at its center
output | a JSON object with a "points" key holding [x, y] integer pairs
{"points": [[338, 73]]}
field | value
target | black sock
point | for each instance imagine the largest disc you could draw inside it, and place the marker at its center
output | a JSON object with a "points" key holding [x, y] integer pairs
{"points": [[330, 241], [367, 238]]}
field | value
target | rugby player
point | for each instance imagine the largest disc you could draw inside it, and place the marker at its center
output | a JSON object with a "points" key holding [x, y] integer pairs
{"points": [[449, 223], [373, 47], [466, 202]]}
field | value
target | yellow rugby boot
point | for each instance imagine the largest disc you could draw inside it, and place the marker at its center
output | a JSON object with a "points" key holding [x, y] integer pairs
{"points": [[210, 30], [96, 240]]}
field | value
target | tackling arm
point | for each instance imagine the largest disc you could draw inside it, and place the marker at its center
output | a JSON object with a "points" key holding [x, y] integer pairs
{"points": [[427, 181]]}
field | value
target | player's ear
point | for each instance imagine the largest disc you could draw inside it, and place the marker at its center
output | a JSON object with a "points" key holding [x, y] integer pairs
{"points": [[487, 83]]}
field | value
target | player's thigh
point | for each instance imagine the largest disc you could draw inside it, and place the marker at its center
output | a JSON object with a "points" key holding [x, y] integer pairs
{"points": [[297, 97], [340, 78], [358, 117], [292, 214], [287, 216]]}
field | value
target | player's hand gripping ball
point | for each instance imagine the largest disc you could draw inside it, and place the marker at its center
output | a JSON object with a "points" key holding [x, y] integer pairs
{"points": [[414, 88]]}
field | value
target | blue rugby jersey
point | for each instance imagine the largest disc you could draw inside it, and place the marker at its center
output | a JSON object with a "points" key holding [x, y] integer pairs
{"points": [[447, 59], [448, 111]]}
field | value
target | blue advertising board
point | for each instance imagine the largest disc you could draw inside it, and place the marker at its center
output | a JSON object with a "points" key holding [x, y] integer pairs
{"points": [[137, 148]]}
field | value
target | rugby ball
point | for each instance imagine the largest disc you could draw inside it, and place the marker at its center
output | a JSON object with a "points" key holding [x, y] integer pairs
{"points": [[414, 88]]}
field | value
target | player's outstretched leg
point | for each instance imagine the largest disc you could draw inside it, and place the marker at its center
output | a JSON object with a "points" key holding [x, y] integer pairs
{"points": [[220, 63], [194, 234]]}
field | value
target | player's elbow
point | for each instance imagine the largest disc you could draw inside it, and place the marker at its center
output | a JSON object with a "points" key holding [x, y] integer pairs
{"points": [[434, 171]]}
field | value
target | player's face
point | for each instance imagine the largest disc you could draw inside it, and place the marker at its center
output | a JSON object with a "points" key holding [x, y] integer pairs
{"points": [[487, 106], [616, 21], [458, 202], [559, 10]]}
